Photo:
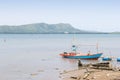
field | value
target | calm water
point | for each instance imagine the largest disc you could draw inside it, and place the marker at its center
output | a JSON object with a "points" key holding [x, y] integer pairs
{"points": [[36, 56]]}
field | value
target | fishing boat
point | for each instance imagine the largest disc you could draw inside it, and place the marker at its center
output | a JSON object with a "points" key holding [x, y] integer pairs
{"points": [[75, 55], [81, 56]]}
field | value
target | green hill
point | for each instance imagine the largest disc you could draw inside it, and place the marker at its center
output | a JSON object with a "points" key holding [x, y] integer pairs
{"points": [[41, 28]]}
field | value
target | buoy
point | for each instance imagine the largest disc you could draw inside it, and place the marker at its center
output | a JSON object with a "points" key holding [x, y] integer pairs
{"points": [[106, 59]]}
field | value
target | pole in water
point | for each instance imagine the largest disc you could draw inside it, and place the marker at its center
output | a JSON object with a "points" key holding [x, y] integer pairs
{"points": [[79, 63]]}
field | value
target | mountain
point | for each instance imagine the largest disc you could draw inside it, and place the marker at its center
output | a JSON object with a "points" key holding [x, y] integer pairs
{"points": [[41, 28]]}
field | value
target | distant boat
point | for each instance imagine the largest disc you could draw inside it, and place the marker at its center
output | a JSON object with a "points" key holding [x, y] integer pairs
{"points": [[75, 55]]}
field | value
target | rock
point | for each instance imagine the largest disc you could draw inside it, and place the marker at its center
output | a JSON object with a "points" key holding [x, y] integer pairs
{"points": [[40, 70], [34, 74], [73, 77]]}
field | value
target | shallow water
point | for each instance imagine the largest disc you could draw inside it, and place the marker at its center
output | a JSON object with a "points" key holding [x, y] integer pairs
{"points": [[36, 56]]}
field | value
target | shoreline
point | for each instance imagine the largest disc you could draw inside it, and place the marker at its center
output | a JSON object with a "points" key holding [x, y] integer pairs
{"points": [[90, 73], [93, 74]]}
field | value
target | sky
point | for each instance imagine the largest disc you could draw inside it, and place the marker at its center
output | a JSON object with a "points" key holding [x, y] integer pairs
{"points": [[92, 15]]}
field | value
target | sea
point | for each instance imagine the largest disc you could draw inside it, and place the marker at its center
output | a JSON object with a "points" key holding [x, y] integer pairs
{"points": [[36, 56]]}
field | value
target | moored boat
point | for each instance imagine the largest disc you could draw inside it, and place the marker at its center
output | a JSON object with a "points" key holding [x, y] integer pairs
{"points": [[81, 56], [106, 59], [118, 59], [75, 55]]}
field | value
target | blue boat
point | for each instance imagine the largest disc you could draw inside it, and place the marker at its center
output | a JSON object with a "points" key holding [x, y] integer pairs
{"points": [[106, 59], [118, 59], [80, 56]]}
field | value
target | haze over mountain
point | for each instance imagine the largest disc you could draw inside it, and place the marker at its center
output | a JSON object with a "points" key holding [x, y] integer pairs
{"points": [[41, 28]]}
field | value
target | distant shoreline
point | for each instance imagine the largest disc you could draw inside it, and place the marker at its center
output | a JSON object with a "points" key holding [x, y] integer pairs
{"points": [[59, 33], [44, 28]]}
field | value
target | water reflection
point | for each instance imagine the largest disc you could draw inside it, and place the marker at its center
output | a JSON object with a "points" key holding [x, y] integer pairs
{"points": [[74, 61]]}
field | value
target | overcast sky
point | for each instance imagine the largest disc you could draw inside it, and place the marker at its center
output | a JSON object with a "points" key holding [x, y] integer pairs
{"points": [[95, 15]]}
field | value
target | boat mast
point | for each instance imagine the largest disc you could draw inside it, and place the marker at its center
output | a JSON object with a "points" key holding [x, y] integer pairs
{"points": [[97, 47], [74, 46]]}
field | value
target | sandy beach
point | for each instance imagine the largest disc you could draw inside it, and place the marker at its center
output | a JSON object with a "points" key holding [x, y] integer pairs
{"points": [[90, 74]]}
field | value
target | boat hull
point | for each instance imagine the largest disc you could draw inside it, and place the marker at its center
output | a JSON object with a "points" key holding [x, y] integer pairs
{"points": [[88, 57], [106, 59], [118, 59]]}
